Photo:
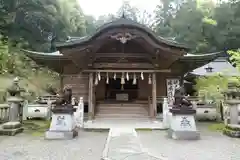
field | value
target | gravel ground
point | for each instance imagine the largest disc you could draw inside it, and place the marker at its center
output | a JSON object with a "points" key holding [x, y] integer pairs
{"points": [[88, 146], [211, 146]]}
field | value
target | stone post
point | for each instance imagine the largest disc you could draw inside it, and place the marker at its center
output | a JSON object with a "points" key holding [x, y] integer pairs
{"points": [[25, 110], [79, 114], [49, 111], [166, 114]]}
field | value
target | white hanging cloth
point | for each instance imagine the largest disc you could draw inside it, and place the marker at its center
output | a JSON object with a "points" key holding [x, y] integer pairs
{"points": [[99, 76], [96, 80], [107, 80], [142, 77], [149, 79], [127, 76], [134, 79], [122, 79]]}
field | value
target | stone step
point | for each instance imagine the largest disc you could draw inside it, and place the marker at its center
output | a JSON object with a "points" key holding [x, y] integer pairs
{"points": [[122, 105], [123, 119], [122, 112], [121, 109], [121, 116]]}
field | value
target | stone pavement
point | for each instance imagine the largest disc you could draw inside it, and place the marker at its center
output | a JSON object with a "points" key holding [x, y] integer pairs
{"points": [[211, 146], [90, 145]]}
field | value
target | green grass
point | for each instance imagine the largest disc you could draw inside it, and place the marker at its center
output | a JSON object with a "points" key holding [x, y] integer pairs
{"points": [[36, 127], [216, 127]]}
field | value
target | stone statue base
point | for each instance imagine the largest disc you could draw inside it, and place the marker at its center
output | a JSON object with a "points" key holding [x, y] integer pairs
{"points": [[182, 125], [62, 124], [11, 128], [232, 130]]}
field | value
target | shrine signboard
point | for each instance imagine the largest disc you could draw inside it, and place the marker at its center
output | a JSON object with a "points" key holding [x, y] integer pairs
{"points": [[172, 84]]}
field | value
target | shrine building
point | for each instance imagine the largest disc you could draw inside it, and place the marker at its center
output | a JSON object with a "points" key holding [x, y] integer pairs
{"points": [[122, 70]]}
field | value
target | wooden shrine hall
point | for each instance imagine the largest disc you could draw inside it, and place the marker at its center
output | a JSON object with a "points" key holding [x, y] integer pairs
{"points": [[122, 69]]}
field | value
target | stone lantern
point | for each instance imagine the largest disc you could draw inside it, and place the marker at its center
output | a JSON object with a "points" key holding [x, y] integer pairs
{"points": [[231, 111], [15, 100]]}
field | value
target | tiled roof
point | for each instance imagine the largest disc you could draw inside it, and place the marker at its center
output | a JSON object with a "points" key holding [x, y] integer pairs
{"points": [[220, 65]]}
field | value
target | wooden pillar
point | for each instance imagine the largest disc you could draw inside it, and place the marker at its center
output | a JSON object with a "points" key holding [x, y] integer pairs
{"points": [[61, 82], [90, 97], [93, 101], [154, 96]]}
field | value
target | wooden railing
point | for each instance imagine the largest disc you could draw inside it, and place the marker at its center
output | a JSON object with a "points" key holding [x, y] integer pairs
{"points": [[4, 113]]}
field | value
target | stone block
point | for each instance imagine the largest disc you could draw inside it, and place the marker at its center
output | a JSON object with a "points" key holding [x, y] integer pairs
{"points": [[11, 132], [61, 135], [11, 128], [183, 127], [62, 127], [11, 125], [38, 111], [183, 135]]}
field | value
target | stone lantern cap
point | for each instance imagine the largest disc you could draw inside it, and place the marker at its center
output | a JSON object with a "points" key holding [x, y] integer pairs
{"points": [[15, 89]]}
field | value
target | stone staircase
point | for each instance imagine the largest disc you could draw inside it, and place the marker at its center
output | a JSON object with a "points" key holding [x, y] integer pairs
{"points": [[122, 111]]}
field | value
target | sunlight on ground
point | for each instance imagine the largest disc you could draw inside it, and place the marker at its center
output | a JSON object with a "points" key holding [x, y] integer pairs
{"points": [[216, 126]]}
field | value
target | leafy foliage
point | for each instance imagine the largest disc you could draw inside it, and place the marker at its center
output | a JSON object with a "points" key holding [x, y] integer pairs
{"points": [[213, 87], [206, 26]]}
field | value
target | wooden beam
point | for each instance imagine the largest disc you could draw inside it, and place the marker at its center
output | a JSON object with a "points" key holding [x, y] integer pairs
{"points": [[116, 55], [129, 71], [123, 65]]}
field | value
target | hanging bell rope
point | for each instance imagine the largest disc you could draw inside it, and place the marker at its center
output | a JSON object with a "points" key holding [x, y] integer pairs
{"points": [[114, 76], [96, 80], [99, 76], [142, 77], [149, 79], [134, 79], [127, 76], [107, 80], [122, 79]]}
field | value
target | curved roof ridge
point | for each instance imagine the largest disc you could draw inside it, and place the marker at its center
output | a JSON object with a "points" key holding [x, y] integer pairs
{"points": [[121, 22]]}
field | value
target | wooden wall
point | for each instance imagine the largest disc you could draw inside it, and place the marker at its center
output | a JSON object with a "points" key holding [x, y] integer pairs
{"points": [[145, 89], [100, 90], [79, 84]]}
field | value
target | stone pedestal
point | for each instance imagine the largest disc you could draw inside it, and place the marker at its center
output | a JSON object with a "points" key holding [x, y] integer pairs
{"points": [[62, 124], [183, 126], [13, 127], [231, 118]]}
